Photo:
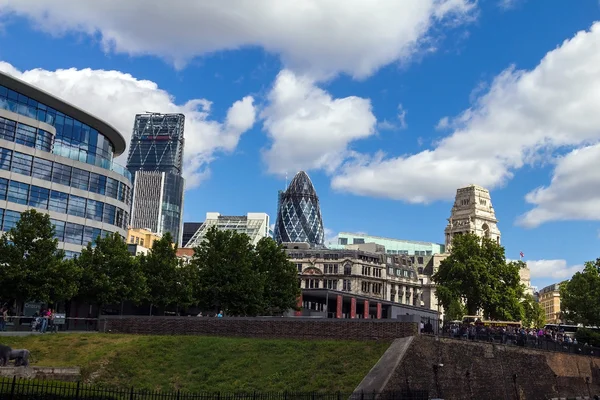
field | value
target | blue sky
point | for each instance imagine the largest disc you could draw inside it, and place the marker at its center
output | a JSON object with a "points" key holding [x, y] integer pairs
{"points": [[390, 106]]}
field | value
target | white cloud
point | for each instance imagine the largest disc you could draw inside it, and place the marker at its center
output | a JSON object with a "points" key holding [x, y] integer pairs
{"points": [[573, 194], [309, 129], [116, 97], [522, 117], [319, 37], [400, 122], [558, 270]]}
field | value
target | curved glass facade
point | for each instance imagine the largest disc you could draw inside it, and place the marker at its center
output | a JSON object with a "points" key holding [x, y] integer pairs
{"points": [[298, 213], [74, 139], [66, 173]]}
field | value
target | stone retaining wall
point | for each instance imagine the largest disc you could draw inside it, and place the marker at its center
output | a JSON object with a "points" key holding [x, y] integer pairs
{"points": [[42, 373], [455, 369], [285, 328]]}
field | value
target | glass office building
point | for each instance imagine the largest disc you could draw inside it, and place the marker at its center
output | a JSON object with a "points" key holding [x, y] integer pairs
{"points": [[58, 159], [156, 162], [298, 213]]}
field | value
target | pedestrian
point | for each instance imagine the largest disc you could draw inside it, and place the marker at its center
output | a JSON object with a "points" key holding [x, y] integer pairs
{"points": [[3, 318]]}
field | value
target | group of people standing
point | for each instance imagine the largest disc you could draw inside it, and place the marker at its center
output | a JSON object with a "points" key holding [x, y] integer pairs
{"points": [[43, 320]]}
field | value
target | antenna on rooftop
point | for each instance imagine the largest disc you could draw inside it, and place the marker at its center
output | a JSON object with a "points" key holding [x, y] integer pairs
{"points": [[286, 180]]}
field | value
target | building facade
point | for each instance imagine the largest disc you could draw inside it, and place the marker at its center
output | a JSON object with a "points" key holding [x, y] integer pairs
{"points": [[472, 213], [299, 214], [549, 298], [357, 282], [155, 162], [255, 225], [189, 228], [392, 246], [58, 159], [142, 237]]}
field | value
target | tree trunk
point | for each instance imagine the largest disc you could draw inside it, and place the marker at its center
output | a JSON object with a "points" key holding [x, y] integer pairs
{"points": [[151, 305]]}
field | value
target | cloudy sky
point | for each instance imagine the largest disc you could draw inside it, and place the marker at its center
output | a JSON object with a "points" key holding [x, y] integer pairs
{"points": [[389, 105]]}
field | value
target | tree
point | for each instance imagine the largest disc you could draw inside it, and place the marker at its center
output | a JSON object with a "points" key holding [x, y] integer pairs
{"points": [[160, 268], [110, 274], [580, 297], [187, 278], [477, 275], [227, 279], [33, 268], [533, 313], [280, 277]]}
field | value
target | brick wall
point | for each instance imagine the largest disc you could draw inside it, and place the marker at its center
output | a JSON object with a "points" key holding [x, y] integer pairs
{"points": [[473, 370], [293, 328]]}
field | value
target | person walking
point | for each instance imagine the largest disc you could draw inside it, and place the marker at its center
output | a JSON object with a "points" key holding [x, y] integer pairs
{"points": [[3, 318]]}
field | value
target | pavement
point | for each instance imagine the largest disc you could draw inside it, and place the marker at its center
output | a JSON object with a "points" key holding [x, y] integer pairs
{"points": [[29, 333]]}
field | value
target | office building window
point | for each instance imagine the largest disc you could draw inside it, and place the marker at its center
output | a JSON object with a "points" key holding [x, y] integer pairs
{"points": [[94, 210], [108, 214], [59, 229], [61, 174], [10, 219], [58, 202], [343, 241], [5, 159], [90, 235], [76, 206], [39, 197], [21, 163], [3, 190], [97, 183], [73, 233], [80, 179], [42, 169], [26, 135], [18, 192]]}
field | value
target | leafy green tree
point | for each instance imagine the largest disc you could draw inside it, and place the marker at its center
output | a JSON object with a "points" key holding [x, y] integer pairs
{"points": [[533, 313], [187, 278], [110, 275], [33, 268], [227, 279], [477, 275], [280, 277], [455, 311], [580, 297], [160, 269]]}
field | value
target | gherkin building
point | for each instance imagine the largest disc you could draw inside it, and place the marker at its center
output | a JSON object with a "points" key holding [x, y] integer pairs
{"points": [[298, 213]]}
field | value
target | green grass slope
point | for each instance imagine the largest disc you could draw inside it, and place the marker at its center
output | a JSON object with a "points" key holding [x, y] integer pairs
{"points": [[198, 363]]}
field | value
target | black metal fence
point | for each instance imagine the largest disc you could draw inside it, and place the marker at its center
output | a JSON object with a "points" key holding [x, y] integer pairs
{"points": [[531, 342], [21, 389]]}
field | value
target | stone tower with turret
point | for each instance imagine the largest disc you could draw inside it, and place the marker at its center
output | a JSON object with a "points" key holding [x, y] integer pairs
{"points": [[472, 213]]}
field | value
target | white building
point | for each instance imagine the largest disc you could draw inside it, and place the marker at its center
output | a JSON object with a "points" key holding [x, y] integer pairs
{"points": [[255, 225]]}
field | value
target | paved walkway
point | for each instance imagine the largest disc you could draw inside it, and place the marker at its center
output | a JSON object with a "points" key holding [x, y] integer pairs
{"points": [[29, 333]]}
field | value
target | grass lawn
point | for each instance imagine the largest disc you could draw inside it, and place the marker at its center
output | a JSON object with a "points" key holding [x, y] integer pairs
{"points": [[198, 363]]}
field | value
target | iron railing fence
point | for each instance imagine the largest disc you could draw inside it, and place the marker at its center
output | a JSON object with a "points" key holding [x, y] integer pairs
{"points": [[21, 389], [531, 342]]}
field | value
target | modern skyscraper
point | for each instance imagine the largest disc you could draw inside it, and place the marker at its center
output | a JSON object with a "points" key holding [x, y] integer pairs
{"points": [[298, 213], [156, 163], [58, 159]]}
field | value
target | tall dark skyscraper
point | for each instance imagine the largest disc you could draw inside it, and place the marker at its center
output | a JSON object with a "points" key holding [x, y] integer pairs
{"points": [[156, 163], [298, 213]]}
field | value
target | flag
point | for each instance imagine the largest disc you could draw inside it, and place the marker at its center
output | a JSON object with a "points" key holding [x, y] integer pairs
{"points": [[521, 254]]}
